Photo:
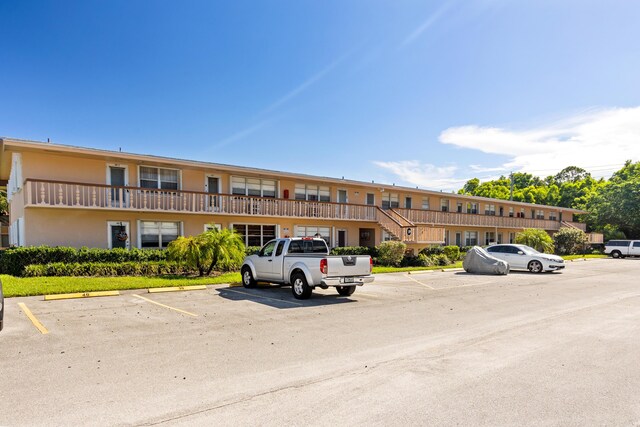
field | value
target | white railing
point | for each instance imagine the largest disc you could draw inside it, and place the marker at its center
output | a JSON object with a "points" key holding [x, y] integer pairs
{"points": [[99, 196], [407, 231], [478, 220]]}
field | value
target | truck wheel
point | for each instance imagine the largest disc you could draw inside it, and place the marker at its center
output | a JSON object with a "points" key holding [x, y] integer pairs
{"points": [[300, 287], [247, 278], [345, 291], [616, 254], [535, 266]]}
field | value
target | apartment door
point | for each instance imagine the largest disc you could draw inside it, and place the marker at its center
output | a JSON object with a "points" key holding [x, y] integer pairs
{"points": [[118, 179], [407, 202], [213, 188], [342, 238], [367, 237], [458, 238], [342, 196], [119, 236]]}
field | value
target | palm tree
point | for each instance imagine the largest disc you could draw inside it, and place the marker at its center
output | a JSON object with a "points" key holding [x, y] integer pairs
{"points": [[188, 250], [537, 239]]}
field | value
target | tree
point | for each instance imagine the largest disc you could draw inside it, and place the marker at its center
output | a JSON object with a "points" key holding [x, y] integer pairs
{"points": [[571, 174], [4, 204], [536, 238], [213, 249], [569, 240]]}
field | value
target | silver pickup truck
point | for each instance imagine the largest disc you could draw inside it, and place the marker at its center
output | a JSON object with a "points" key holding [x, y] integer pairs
{"points": [[305, 263]]}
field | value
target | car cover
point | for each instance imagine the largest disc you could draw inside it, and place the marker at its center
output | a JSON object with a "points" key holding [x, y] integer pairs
{"points": [[479, 261]]}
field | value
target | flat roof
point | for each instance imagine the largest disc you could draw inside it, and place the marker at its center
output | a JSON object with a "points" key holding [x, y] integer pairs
{"points": [[77, 151]]}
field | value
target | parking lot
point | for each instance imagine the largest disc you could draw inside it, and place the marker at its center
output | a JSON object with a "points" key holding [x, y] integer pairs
{"points": [[421, 348]]}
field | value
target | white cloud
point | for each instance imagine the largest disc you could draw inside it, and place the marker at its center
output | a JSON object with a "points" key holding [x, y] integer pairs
{"points": [[423, 175], [594, 140]]}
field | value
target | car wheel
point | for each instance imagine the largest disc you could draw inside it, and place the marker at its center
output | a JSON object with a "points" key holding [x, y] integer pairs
{"points": [[345, 291], [299, 286], [247, 278], [616, 254], [535, 266]]}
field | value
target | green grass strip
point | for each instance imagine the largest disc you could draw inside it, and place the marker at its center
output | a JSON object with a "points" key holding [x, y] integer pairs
{"points": [[382, 270], [589, 256], [29, 286]]}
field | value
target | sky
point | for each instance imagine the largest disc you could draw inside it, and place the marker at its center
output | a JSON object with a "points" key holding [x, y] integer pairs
{"points": [[415, 93]]}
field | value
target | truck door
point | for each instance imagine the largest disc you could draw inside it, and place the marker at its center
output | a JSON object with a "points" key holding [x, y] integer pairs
{"points": [[278, 261], [264, 262], [634, 249]]}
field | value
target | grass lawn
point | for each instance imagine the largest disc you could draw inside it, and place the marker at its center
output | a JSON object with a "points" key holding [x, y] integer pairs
{"points": [[381, 270], [570, 257], [28, 286]]}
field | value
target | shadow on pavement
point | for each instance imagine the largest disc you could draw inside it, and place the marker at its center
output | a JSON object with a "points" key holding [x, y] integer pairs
{"points": [[280, 297]]}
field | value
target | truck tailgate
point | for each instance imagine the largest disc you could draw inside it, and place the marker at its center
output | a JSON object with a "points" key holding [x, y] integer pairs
{"points": [[345, 266]]}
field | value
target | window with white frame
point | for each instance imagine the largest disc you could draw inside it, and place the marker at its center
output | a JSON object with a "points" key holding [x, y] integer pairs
{"points": [[444, 205], [255, 234], [489, 209], [512, 237], [425, 204], [470, 238], [160, 178], [539, 214], [256, 187], [489, 237], [386, 237], [553, 216], [312, 192], [314, 231], [371, 199], [472, 208], [510, 212], [390, 200], [158, 234], [459, 207]]}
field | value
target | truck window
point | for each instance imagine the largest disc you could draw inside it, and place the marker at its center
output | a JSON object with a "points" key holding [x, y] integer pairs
{"points": [[636, 244], [267, 250], [295, 247], [319, 247], [280, 248]]}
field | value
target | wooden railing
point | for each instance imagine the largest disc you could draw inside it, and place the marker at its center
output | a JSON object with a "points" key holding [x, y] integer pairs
{"points": [[478, 220], [99, 196], [578, 225], [408, 232]]}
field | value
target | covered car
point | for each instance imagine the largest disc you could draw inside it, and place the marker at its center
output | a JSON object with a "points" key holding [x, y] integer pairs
{"points": [[479, 261]]}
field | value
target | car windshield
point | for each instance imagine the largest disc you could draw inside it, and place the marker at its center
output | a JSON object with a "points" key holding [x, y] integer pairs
{"points": [[528, 250]]}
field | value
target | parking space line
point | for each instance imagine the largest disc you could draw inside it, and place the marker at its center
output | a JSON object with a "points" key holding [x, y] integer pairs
{"points": [[260, 296], [420, 283], [33, 318], [177, 288], [82, 295], [165, 306]]}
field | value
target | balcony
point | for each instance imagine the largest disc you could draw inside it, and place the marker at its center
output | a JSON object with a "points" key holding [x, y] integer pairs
{"points": [[473, 220], [60, 194]]}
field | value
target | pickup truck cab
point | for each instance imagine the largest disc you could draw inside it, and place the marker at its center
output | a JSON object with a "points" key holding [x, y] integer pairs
{"points": [[622, 248], [305, 263]]}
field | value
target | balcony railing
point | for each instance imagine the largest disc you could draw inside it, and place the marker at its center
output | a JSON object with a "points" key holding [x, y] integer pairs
{"points": [[98, 196], [470, 220]]}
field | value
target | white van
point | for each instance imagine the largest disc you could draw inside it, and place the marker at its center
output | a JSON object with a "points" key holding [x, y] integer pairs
{"points": [[622, 248]]}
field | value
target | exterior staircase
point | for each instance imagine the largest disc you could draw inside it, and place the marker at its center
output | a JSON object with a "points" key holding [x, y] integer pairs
{"points": [[400, 228]]}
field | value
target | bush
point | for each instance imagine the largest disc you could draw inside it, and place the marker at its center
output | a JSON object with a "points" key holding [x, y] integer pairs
{"points": [[569, 240], [421, 260], [131, 268], [14, 260], [537, 239], [452, 252], [354, 250], [441, 259], [390, 253], [432, 250]]}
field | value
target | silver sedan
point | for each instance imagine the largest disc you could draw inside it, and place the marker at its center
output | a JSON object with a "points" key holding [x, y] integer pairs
{"points": [[522, 257]]}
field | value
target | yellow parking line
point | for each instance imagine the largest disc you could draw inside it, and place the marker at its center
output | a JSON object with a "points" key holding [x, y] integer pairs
{"points": [[260, 296], [33, 319], [166, 306], [423, 284], [82, 295], [177, 288]]}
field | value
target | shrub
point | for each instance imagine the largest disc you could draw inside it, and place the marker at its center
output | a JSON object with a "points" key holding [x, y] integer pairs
{"points": [[536, 238], [14, 260], [421, 260], [390, 253], [441, 259], [569, 240], [432, 250], [452, 252], [354, 250], [130, 268]]}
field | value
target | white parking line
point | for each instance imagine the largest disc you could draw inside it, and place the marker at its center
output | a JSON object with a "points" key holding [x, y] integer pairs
{"points": [[419, 282]]}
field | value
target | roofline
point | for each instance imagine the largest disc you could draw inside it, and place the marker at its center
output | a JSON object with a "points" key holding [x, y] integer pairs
{"points": [[48, 146]]}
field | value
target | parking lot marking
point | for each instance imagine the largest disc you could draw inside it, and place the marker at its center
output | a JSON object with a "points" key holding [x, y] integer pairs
{"points": [[177, 288], [33, 318], [420, 283], [166, 306], [260, 296], [82, 295]]}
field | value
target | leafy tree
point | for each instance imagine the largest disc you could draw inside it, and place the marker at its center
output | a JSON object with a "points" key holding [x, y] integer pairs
{"points": [[4, 205], [571, 174], [536, 238], [470, 186], [569, 240]]}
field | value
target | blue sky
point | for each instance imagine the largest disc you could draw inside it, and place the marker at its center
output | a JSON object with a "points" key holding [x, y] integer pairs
{"points": [[419, 93]]}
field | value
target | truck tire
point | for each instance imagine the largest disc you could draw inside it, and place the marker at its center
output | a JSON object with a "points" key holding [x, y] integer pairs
{"points": [[247, 278], [345, 291], [299, 286], [616, 254]]}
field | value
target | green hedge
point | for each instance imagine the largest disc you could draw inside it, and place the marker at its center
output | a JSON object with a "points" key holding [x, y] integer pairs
{"points": [[355, 250], [131, 268], [14, 261]]}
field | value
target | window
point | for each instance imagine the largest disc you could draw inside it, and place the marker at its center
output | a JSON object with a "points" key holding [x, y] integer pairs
{"points": [[164, 179], [407, 202], [158, 234], [510, 212], [499, 238], [307, 246], [267, 250], [390, 200], [470, 238], [255, 235], [553, 216], [280, 248], [459, 207], [512, 237], [444, 205], [472, 208], [256, 187], [371, 199], [489, 237], [323, 232], [490, 209], [636, 244], [386, 237], [539, 214], [313, 193], [425, 204]]}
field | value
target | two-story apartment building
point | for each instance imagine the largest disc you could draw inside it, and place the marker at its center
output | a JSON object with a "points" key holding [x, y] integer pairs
{"points": [[75, 196]]}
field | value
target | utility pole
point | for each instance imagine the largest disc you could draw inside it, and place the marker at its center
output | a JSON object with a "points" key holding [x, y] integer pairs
{"points": [[511, 178]]}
